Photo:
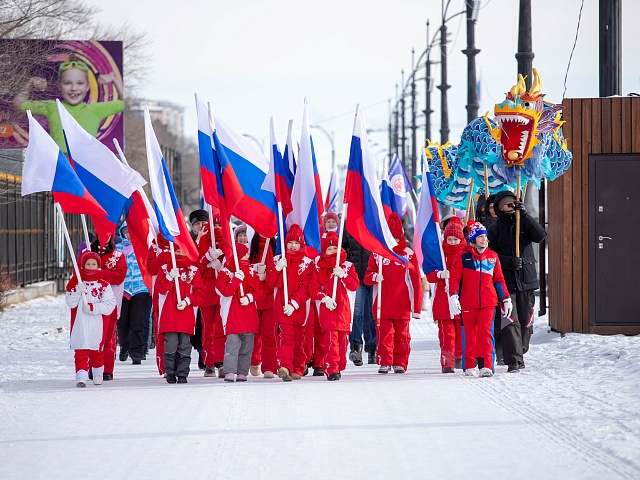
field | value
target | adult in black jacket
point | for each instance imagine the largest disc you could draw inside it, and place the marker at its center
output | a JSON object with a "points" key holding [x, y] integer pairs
{"points": [[520, 273], [363, 323]]}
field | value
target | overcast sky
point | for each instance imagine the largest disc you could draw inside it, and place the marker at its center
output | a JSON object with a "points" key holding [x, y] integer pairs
{"points": [[257, 58]]}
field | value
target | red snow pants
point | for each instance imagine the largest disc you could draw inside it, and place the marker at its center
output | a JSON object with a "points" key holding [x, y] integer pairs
{"points": [[265, 342], [448, 338], [335, 351], [394, 342], [109, 336], [477, 335], [83, 357], [291, 354], [208, 316], [314, 345]]}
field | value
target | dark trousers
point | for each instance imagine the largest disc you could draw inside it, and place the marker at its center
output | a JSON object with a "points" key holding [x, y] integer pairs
{"points": [[134, 316], [177, 353], [363, 323], [515, 335]]}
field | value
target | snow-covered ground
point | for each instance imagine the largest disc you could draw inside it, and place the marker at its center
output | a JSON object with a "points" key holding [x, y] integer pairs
{"points": [[573, 413]]}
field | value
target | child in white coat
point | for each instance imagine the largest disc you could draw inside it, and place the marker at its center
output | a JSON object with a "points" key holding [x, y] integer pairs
{"points": [[88, 316]]}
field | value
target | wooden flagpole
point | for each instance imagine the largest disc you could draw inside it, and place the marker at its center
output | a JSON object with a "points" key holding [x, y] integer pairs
{"points": [[518, 219]]}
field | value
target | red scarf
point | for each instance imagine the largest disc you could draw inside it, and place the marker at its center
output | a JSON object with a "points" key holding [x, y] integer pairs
{"points": [[450, 251], [327, 263], [294, 257], [399, 249]]}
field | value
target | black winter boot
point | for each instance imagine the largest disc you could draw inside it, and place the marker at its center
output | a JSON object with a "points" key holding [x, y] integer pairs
{"points": [[372, 355], [356, 354]]}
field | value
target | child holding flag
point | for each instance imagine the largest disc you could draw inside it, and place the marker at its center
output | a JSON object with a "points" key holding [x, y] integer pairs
{"points": [[449, 329], [89, 319], [291, 316], [476, 285], [401, 300], [239, 313], [336, 316]]}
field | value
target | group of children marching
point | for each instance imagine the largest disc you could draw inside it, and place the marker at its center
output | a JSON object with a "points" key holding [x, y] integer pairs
{"points": [[280, 314]]}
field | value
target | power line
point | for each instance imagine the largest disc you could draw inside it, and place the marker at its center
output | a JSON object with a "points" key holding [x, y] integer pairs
{"points": [[572, 50]]}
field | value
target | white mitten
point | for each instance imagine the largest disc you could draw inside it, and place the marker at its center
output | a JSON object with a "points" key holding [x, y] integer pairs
{"points": [[377, 277], [244, 301], [444, 274], [215, 264], [181, 305], [261, 268], [215, 253], [339, 272], [82, 288], [239, 274], [454, 305], [281, 263], [507, 306], [174, 273], [288, 309], [86, 308], [329, 302]]}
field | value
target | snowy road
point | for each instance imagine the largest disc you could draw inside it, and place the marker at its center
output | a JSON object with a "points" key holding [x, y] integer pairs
{"points": [[574, 411]]}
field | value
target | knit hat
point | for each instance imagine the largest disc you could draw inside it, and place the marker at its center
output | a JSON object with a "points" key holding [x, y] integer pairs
{"points": [[475, 230], [454, 228], [294, 235], [242, 250], [395, 225], [329, 239], [238, 231], [198, 216], [87, 255], [331, 216]]}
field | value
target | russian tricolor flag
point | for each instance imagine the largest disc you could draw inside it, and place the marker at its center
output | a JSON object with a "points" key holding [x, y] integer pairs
{"points": [[307, 207], [258, 206], [170, 218], [279, 179], [46, 169], [365, 217], [205, 149], [108, 180], [426, 237], [388, 198]]}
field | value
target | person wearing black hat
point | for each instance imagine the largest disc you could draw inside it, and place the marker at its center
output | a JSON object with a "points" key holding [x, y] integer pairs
{"points": [[520, 273], [198, 220]]}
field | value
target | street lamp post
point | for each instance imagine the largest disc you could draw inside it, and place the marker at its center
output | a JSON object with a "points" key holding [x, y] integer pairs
{"points": [[471, 51], [414, 152], [330, 137]]}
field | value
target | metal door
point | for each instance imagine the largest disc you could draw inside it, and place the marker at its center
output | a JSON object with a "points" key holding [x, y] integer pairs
{"points": [[614, 239]]}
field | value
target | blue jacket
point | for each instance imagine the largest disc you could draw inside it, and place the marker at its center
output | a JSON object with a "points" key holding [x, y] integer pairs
{"points": [[133, 283]]}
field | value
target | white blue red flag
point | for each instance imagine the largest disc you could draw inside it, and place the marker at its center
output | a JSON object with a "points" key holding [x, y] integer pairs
{"points": [[426, 237], [107, 179], [46, 169], [289, 155], [278, 179], [170, 218], [400, 183], [258, 207], [205, 150], [365, 217], [387, 197], [332, 201], [143, 228], [307, 207]]}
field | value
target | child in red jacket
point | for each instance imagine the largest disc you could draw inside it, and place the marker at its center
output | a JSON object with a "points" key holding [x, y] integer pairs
{"points": [[291, 316], [401, 300], [336, 316], [476, 285], [239, 313], [89, 319], [177, 319], [449, 328]]}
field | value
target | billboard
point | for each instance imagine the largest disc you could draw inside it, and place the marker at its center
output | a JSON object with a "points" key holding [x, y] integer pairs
{"points": [[86, 76]]}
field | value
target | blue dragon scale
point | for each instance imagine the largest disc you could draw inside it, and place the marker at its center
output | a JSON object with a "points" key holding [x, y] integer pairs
{"points": [[524, 138]]}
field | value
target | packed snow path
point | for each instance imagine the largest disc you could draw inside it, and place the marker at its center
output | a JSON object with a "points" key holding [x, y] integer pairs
{"points": [[574, 411]]}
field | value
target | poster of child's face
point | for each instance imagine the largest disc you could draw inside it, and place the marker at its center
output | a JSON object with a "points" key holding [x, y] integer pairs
{"points": [[86, 76]]}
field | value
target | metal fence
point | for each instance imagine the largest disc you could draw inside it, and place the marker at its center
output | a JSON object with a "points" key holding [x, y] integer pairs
{"points": [[32, 247]]}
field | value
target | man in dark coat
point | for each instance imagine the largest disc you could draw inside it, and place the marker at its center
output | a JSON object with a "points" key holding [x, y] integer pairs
{"points": [[520, 273]]}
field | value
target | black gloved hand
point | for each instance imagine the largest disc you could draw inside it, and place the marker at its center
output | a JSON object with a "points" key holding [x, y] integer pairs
{"points": [[516, 263], [519, 207]]}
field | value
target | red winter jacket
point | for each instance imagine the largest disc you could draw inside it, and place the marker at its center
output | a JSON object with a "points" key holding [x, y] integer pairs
{"points": [[170, 319], [441, 298], [236, 318], [209, 277], [478, 279], [299, 278], [401, 286], [114, 271], [342, 317]]}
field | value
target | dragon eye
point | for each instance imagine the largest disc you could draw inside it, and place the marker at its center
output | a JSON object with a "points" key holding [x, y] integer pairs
{"points": [[527, 104]]}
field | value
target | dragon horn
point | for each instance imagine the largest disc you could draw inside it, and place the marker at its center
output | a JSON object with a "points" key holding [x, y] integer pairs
{"points": [[519, 88], [536, 87]]}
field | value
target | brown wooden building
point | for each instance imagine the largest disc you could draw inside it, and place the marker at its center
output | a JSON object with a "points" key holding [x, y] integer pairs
{"points": [[594, 220]]}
